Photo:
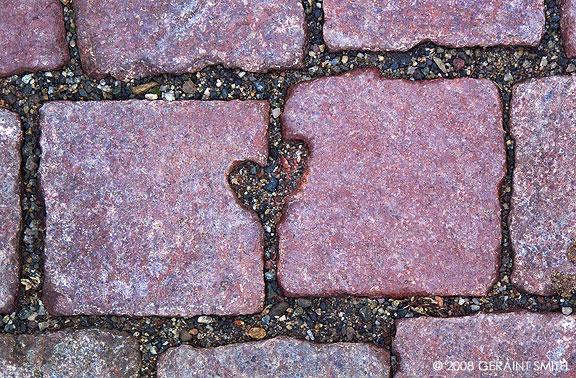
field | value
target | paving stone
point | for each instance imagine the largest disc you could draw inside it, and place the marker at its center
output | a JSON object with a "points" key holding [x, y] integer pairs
{"points": [[543, 206], [140, 217], [10, 141], [88, 353], [32, 36], [140, 38], [568, 27], [401, 24], [401, 197], [280, 357], [518, 344]]}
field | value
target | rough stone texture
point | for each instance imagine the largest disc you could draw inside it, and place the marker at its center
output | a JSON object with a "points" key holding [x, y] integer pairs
{"points": [[401, 24], [568, 27], [32, 36], [543, 217], [10, 141], [280, 357], [480, 345], [140, 217], [401, 195], [137, 38], [88, 353]]}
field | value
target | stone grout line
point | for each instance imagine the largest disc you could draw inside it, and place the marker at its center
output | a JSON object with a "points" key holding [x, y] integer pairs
{"points": [[342, 318]]}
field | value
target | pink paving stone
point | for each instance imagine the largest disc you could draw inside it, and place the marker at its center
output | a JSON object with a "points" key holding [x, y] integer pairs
{"points": [[140, 217], [480, 345], [88, 353], [543, 216], [32, 36], [568, 27], [281, 357], [137, 38], [10, 141], [401, 194], [401, 24]]}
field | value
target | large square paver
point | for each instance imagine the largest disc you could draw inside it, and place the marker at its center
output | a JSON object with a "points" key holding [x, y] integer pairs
{"points": [[401, 196], [140, 217]]}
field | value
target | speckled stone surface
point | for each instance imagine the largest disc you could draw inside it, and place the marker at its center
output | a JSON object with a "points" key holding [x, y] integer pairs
{"points": [[401, 193], [10, 217], [140, 217], [32, 36], [543, 216], [401, 24], [481, 346], [137, 38], [568, 27], [281, 357], [87, 353]]}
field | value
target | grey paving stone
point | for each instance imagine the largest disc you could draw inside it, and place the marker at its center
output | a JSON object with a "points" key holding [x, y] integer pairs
{"points": [[90, 353]]}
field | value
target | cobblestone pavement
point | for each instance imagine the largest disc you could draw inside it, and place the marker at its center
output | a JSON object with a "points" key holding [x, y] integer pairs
{"points": [[287, 188]]}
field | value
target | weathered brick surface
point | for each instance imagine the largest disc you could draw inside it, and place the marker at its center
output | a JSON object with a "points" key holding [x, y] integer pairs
{"points": [[401, 194], [401, 24], [140, 217], [10, 141], [81, 354], [544, 205], [280, 357], [32, 36], [138, 38], [568, 27], [481, 345]]}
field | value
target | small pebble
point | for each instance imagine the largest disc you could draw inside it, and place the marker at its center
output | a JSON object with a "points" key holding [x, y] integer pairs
{"points": [[257, 333]]}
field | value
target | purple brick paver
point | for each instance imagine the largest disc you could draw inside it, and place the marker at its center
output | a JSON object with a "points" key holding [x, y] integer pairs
{"points": [[280, 357], [543, 216], [88, 353], [137, 38], [401, 24], [568, 27], [140, 217], [10, 141], [32, 36], [401, 196], [519, 344]]}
